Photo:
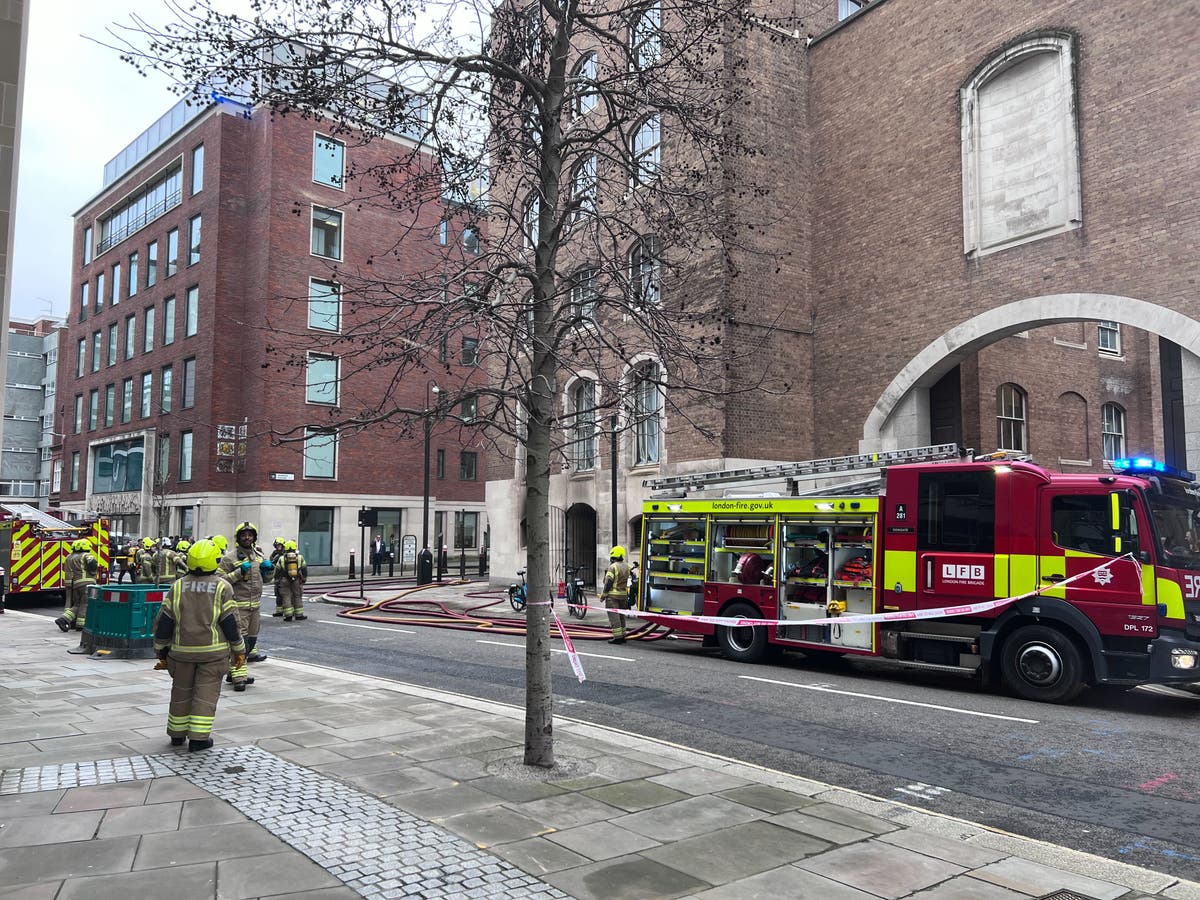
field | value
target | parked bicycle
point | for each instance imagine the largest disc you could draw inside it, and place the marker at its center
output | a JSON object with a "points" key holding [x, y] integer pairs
{"points": [[577, 599], [518, 594]]}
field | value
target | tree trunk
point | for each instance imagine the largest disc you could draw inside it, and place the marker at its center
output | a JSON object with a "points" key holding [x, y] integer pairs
{"points": [[539, 691]]}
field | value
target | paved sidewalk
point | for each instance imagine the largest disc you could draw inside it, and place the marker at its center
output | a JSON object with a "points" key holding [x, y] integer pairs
{"points": [[329, 785]]}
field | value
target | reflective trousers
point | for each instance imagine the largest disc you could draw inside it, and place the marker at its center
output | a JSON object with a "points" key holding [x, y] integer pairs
{"points": [[195, 688]]}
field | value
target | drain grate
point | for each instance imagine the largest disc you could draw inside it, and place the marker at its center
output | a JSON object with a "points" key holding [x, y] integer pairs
{"points": [[1065, 895]]}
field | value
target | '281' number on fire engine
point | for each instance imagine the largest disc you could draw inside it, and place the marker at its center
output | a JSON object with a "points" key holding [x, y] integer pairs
{"points": [[1191, 586]]}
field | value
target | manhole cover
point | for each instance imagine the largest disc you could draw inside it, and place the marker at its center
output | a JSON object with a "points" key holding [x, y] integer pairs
{"points": [[234, 770], [1065, 895]]}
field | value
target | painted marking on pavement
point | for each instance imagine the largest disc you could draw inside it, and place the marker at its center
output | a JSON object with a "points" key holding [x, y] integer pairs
{"points": [[372, 627], [829, 690], [1158, 782], [923, 790], [555, 650]]}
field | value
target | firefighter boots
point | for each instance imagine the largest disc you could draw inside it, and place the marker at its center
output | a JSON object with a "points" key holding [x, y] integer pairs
{"points": [[194, 745], [177, 740], [62, 623]]}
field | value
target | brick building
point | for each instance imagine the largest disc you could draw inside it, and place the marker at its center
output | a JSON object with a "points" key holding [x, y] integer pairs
{"points": [[208, 357], [975, 214]]}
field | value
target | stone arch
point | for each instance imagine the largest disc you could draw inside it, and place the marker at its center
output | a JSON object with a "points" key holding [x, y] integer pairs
{"points": [[900, 417]]}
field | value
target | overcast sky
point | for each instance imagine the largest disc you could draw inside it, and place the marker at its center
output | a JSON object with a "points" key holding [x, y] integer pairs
{"points": [[82, 106]]}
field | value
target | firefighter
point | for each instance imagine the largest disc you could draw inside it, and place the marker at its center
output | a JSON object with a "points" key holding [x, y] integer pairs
{"points": [[194, 637], [79, 572], [244, 566], [163, 565], [143, 563], [295, 573], [181, 556], [276, 555], [616, 592]]}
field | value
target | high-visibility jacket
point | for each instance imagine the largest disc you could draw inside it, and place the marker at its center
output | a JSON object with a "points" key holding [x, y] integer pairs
{"points": [[247, 583], [616, 580], [164, 566], [80, 569], [197, 622]]}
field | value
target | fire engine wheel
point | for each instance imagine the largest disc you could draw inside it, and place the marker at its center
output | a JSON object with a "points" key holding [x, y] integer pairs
{"points": [[1043, 664], [745, 644]]}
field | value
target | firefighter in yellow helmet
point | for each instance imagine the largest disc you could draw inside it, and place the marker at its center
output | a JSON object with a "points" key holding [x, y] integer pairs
{"points": [[79, 573], [276, 555], [616, 592], [295, 573], [244, 566], [163, 564], [180, 556], [195, 635], [143, 562]]}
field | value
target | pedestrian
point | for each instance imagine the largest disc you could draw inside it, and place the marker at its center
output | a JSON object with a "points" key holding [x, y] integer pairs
{"points": [[195, 635], [144, 562], [295, 573], [379, 552], [79, 573], [244, 567], [277, 577], [163, 566], [616, 592]]}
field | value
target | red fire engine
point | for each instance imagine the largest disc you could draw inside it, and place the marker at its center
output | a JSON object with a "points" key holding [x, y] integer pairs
{"points": [[936, 530], [34, 546]]}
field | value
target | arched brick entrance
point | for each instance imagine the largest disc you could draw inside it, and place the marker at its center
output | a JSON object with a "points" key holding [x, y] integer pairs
{"points": [[900, 417]]}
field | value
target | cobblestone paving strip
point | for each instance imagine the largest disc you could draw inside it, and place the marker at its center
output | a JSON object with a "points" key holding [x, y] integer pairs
{"points": [[379, 851]]}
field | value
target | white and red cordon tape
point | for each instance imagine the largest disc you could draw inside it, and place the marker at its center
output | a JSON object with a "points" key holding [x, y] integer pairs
{"points": [[568, 644]]}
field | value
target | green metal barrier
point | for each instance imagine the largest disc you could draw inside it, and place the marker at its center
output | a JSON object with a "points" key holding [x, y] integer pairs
{"points": [[120, 621]]}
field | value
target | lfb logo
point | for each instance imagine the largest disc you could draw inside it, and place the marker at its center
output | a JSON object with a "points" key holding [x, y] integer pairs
{"points": [[953, 572]]}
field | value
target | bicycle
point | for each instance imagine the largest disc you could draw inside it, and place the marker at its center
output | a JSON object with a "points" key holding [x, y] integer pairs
{"points": [[518, 594], [576, 596]]}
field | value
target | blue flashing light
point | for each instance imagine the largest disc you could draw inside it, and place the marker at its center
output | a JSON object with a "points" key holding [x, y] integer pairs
{"points": [[1139, 465]]}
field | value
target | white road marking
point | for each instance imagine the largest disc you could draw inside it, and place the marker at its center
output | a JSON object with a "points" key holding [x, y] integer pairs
{"points": [[923, 790], [372, 627], [829, 690], [556, 650]]}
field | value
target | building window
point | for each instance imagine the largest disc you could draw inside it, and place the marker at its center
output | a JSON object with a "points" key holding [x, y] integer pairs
{"points": [[321, 380], [191, 311], [130, 335], [168, 321], [440, 465], [165, 389], [1112, 430], [583, 189], [159, 196], [532, 222], [326, 233], [444, 348], [114, 342], [470, 351], [99, 292], [162, 466], [585, 293], [645, 37], [147, 393], [645, 271], [148, 330], [444, 232], [118, 467], [315, 535], [185, 456], [470, 240], [324, 305], [647, 414], [328, 161], [116, 284], [84, 299], [87, 245], [127, 399], [133, 274], [197, 169], [468, 410], [96, 350], [1108, 339], [468, 465], [1023, 97], [320, 453], [583, 425], [583, 92], [110, 405], [93, 409], [847, 8], [646, 148], [193, 240], [56, 476], [1010, 418], [172, 252], [152, 264], [81, 360], [466, 530], [78, 413], [189, 384], [75, 472]]}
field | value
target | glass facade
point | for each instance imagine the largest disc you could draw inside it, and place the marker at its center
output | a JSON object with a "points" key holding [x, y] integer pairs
{"points": [[118, 467]]}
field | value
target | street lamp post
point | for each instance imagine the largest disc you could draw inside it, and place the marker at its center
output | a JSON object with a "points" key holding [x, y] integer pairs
{"points": [[424, 562]]}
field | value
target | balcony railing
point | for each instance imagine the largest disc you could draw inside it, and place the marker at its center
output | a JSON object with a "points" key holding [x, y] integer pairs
{"points": [[115, 236]]}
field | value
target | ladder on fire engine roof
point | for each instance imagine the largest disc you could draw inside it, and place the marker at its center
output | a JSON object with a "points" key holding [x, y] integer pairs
{"points": [[36, 517], [808, 468]]}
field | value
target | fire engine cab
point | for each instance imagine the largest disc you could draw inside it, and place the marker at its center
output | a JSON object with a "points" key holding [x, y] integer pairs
{"points": [[34, 547], [920, 546]]}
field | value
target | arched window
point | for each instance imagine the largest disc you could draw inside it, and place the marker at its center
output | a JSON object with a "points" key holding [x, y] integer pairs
{"points": [[583, 425], [645, 37], [583, 189], [645, 271], [1020, 145], [647, 415], [1112, 430], [1010, 418], [646, 149], [583, 95]]}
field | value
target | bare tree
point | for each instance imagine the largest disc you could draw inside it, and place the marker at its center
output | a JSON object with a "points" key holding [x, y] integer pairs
{"points": [[582, 160]]}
